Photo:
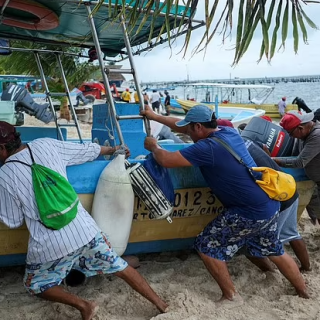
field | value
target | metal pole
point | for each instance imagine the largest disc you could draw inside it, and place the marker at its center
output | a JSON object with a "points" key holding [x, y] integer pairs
{"points": [[75, 118], [135, 76], [216, 103], [104, 76], [44, 81]]}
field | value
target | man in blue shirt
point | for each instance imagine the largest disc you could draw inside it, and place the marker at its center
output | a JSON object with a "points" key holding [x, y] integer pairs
{"points": [[250, 216]]}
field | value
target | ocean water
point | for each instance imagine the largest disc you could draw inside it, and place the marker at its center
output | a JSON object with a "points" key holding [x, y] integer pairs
{"points": [[308, 91]]}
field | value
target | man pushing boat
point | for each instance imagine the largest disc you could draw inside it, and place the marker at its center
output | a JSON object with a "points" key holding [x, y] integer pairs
{"points": [[80, 244], [250, 217]]}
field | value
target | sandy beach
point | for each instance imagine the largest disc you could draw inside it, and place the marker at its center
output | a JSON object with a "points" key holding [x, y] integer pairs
{"points": [[182, 280]]}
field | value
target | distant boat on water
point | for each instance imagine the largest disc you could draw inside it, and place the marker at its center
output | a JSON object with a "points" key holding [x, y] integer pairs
{"points": [[234, 95]]}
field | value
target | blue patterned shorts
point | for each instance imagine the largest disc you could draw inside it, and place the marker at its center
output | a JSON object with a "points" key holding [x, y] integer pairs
{"points": [[97, 257], [224, 236]]}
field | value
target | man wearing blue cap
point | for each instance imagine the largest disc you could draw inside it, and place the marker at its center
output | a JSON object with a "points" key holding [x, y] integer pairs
{"points": [[250, 216]]}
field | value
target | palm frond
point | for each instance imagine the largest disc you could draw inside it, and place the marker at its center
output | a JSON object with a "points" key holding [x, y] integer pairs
{"points": [[252, 15]]}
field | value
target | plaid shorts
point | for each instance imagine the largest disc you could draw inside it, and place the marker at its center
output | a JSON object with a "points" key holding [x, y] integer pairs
{"points": [[224, 236], [97, 257]]}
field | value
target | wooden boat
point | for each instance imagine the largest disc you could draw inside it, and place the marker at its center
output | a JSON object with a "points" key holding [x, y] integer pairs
{"points": [[233, 95], [175, 106], [194, 205]]}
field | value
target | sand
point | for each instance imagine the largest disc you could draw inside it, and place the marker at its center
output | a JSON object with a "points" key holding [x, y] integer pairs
{"points": [[182, 280]]}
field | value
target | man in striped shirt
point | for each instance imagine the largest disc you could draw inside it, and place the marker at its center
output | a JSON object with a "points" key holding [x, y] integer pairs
{"points": [[53, 253]]}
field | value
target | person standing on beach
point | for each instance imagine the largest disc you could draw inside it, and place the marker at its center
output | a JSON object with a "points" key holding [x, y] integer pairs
{"points": [[282, 105], [155, 100], [167, 103], [80, 245], [136, 97], [126, 96], [301, 126], [250, 216]]}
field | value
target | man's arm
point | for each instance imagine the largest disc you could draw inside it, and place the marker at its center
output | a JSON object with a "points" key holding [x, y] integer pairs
{"points": [[309, 151], [105, 151], [168, 121], [163, 157]]}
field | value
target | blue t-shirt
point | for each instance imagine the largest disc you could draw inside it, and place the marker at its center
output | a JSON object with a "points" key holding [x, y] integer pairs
{"points": [[229, 180]]}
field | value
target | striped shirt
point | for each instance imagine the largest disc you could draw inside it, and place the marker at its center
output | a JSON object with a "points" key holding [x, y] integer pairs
{"points": [[18, 203]]}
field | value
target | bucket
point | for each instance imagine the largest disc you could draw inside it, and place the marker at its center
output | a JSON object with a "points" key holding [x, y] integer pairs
{"points": [[277, 140], [147, 190]]}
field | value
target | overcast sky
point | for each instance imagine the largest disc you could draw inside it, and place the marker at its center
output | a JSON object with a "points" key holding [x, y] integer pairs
{"points": [[163, 64]]}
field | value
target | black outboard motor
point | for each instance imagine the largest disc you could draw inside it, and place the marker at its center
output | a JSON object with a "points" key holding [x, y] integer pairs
{"points": [[273, 136], [301, 104], [24, 102]]}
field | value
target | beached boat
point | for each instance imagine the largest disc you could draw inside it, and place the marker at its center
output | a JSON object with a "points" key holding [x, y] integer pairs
{"points": [[233, 95], [194, 205], [175, 106]]}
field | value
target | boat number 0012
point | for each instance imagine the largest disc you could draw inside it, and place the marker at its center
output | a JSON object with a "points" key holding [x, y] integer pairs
{"points": [[187, 202]]}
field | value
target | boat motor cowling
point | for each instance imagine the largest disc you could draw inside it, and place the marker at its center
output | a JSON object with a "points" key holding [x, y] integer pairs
{"points": [[24, 102]]}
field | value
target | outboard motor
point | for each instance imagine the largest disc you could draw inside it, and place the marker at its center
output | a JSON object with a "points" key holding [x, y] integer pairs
{"points": [[24, 102], [301, 104], [273, 136]]}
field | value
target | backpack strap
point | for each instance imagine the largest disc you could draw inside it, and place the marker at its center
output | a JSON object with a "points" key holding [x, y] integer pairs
{"points": [[26, 164], [236, 156], [31, 155]]}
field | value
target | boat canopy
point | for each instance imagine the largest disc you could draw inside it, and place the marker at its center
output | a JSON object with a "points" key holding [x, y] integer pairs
{"points": [[61, 22], [234, 93]]}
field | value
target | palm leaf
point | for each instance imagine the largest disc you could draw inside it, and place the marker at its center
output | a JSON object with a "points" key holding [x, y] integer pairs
{"points": [[302, 25], [265, 30], [275, 30], [285, 22], [295, 32], [248, 33]]}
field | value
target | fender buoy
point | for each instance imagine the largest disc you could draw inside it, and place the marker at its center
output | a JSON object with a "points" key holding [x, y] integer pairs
{"points": [[113, 203], [45, 19]]}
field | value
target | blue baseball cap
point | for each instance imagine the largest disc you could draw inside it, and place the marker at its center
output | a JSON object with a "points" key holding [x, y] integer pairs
{"points": [[198, 113]]}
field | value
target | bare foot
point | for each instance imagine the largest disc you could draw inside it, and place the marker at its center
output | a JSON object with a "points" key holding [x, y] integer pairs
{"points": [[303, 294], [163, 307], [302, 269], [236, 301], [90, 310]]}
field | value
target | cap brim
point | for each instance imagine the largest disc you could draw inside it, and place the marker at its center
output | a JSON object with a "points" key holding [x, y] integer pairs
{"points": [[308, 117], [182, 123]]}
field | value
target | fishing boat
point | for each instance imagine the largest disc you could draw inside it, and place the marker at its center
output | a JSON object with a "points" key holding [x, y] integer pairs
{"points": [[63, 22], [175, 106], [237, 115], [233, 95]]}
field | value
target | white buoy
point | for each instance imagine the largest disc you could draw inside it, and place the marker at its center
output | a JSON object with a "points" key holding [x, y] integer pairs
{"points": [[113, 204]]}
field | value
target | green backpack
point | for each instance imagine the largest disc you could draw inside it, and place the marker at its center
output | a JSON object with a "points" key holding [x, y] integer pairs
{"points": [[56, 199]]}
